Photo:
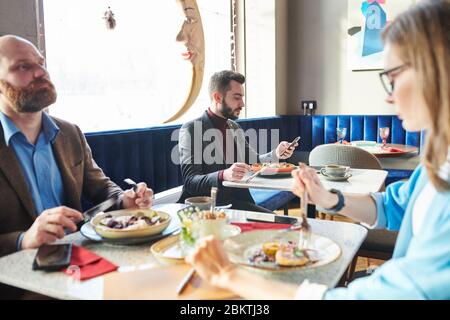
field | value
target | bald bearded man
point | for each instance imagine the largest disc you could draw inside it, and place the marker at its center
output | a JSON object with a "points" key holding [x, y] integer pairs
{"points": [[46, 164]]}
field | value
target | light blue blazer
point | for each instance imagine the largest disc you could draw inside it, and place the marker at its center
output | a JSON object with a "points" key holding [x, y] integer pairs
{"points": [[420, 266]]}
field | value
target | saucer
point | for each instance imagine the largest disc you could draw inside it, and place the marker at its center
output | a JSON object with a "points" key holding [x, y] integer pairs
{"points": [[337, 178]]}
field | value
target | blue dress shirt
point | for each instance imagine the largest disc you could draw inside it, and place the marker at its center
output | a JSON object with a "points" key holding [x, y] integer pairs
{"points": [[38, 163]]}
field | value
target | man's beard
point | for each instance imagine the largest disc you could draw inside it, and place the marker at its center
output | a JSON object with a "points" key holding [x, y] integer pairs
{"points": [[227, 112], [30, 99]]}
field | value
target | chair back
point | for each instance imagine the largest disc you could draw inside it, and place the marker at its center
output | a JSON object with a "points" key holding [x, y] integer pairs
{"points": [[343, 155]]}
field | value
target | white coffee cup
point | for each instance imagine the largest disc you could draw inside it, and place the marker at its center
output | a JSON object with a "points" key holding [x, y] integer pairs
{"points": [[334, 170]]}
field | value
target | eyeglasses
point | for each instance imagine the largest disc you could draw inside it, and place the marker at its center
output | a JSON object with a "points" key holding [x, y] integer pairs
{"points": [[386, 78]]}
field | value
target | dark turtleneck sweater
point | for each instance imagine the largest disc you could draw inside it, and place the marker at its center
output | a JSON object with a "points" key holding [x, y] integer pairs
{"points": [[221, 124]]}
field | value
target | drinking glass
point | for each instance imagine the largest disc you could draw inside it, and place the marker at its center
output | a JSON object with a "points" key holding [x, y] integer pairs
{"points": [[341, 133], [384, 134], [189, 228], [197, 224]]}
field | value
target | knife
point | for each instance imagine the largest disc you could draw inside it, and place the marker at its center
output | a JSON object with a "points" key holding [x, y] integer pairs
{"points": [[131, 183], [272, 218], [105, 205]]}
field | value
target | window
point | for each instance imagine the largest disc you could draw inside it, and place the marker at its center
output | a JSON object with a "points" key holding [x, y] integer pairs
{"points": [[260, 64], [132, 76]]}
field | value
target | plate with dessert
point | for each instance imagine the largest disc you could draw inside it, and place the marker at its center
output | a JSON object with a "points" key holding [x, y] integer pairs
{"points": [[278, 250]]}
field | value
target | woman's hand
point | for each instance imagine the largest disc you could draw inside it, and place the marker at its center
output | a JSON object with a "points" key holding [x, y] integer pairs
{"points": [[306, 177], [211, 262]]}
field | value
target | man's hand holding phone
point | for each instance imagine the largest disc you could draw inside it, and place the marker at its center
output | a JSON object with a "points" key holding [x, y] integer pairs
{"points": [[286, 149]]}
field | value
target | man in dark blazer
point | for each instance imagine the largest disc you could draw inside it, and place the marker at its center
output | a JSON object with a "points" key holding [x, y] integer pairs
{"points": [[213, 148], [45, 163]]}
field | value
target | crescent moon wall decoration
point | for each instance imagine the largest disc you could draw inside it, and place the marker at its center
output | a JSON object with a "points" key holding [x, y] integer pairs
{"points": [[191, 35]]}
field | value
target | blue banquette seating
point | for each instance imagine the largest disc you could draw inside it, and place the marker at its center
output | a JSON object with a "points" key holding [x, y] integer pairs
{"points": [[146, 154], [321, 129]]}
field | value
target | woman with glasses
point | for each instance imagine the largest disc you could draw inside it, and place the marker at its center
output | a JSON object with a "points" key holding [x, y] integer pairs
{"points": [[417, 81]]}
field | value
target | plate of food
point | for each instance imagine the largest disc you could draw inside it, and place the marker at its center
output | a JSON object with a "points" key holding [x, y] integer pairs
{"points": [[277, 250], [129, 226], [273, 169]]}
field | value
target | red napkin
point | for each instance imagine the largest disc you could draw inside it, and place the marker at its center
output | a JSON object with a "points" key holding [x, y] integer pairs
{"points": [[250, 226], [85, 264], [344, 142], [392, 149]]}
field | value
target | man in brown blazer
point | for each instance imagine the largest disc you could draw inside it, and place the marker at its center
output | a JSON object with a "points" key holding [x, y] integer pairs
{"points": [[46, 164]]}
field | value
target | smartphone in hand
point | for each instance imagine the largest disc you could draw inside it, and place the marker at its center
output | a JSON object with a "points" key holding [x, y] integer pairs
{"points": [[294, 142]]}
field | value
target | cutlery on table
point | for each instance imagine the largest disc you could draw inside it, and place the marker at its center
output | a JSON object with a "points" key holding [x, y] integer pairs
{"points": [[305, 230], [228, 206], [105, 205], [184, 282]]}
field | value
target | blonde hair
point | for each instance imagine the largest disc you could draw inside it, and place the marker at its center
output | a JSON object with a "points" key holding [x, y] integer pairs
{"points": [[422, 35]]}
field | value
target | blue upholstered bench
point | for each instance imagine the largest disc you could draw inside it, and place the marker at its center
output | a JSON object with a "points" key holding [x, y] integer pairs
{"points": [[321, 129], [145, 154]]}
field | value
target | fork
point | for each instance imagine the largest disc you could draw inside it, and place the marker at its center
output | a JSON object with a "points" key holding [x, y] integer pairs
{"points": [[252, 176], [305, 230], [131, 183]]}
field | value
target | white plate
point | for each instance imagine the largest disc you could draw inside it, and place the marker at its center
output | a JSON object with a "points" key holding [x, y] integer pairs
{"points": [[146, 231], [364, 143], [242, 246]]}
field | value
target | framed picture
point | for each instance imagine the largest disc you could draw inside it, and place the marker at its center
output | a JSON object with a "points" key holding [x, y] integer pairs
{"points": [[366, 21]]}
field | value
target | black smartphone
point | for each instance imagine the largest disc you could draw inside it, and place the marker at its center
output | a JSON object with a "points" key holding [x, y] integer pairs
{"points": [[52, 257]]}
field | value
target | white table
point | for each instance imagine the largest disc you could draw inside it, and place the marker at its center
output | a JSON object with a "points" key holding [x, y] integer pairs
{"points": [[403, 162], [409, 159], [362, 181], [15, 269]]}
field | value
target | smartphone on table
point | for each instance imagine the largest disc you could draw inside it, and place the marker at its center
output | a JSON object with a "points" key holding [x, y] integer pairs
{"points": [[53, 257]]}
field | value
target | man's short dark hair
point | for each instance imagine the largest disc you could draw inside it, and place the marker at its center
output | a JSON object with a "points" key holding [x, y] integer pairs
{"points": [[220, 81]]}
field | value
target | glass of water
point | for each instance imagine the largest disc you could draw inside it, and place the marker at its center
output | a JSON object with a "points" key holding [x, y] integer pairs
{"points": [[341, 133], [384, 134]]}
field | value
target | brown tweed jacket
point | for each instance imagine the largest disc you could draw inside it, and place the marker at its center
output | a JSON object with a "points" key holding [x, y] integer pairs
{"points": [[80, 174]]}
